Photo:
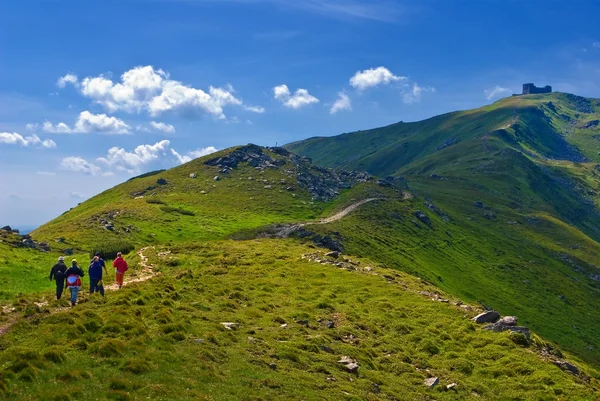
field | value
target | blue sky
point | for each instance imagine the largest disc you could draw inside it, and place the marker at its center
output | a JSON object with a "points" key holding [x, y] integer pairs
{"points": [[93, 92]]}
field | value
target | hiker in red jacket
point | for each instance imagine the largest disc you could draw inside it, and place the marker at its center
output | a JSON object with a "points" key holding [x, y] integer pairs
{"points": [[120, 268]]}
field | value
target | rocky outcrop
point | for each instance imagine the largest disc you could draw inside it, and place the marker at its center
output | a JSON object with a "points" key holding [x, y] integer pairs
{"points": [[323, 184]]}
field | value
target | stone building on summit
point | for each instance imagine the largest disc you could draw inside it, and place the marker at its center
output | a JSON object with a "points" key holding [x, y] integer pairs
{"points": [[530, 89]]}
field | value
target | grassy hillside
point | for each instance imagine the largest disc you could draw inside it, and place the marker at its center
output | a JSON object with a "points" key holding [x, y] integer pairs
{"points": [[557, 126], [495, 237], [512, 193], [293, 320], [171, 206]]}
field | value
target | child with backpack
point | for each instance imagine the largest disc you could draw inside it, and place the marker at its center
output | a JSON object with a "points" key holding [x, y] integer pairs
{"points": [[73, 275], [121, 267]]}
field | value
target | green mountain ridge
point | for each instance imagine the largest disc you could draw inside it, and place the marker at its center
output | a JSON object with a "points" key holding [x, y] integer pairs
{"points": [[495, 207]]}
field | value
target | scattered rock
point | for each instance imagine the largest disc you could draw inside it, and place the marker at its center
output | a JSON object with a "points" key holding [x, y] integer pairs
{"points": [[431, 382], [268, 186], [325, 348], [451, 386], [329, 324], [283, 326], [68, 251], [217, 178], [508, 321], [497, 327], [349, 364], [385, 183], [230, 326], [479, 204], [161, 181], [376, 388], [193, 175], [60, 240], [333, 254], [423, 218], [591, 124], [568, 367], [109, 227], [487, 317], [273, 366], [302, 322]]}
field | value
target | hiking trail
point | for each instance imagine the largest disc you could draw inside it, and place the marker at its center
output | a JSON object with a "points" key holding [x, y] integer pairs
{"points": [[285, 231], [145, 273]]}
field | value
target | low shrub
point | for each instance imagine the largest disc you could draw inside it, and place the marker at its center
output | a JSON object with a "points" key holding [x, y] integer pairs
{"points": [[177, 210], [155, 202], [109, 249], [54, 356]]}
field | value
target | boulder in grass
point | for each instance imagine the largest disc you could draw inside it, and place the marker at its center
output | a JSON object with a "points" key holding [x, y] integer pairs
{"points": [[487, 317]]}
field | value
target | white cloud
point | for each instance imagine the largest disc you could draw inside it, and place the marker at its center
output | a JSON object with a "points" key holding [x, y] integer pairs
{"points": [[145, 88], [193, 154], [67, 79], [46, 173], [296, 101], [131, 161], [79, 165], [281, 92], [596, 44], [32, 126], [494, 92], [162, 127], [255, 109], [88, 122], [76, 195], [202, 152], [414, 94], [373, 77], [33, 140], [342, 103]]}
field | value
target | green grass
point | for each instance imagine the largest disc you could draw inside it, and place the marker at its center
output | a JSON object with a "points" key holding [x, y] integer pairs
{"points": [[121, 346]]}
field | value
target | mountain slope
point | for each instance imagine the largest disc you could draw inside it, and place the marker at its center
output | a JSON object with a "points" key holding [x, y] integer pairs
{"points": [[392, 323], [518, 180], [291, 320]]}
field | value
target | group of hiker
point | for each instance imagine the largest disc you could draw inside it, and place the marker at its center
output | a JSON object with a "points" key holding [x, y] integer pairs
{"points": [[71, 277]]}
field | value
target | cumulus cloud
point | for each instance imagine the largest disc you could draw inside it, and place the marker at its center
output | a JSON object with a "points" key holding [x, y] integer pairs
{"points": [[373, 77], [145, 88], [46, 173], [596, 44], [162, 127], [414, 94], [193, 154], [79, 165], [299, 99], [33, 140], [255, 109], [342, 103], [67, 79], [133, 162], [495, 92], [128, 161], [87, 123]]}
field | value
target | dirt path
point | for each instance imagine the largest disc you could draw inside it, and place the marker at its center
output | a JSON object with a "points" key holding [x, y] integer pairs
{"points": [[146, 273], [285, 231]]}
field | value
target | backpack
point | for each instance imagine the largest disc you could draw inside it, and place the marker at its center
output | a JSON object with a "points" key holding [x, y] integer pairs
{"points": [[73, 280]]}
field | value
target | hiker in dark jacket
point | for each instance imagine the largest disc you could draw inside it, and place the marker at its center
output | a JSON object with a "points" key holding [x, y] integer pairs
{"points": [[95, 272], [58, 274], [73, 275]]}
